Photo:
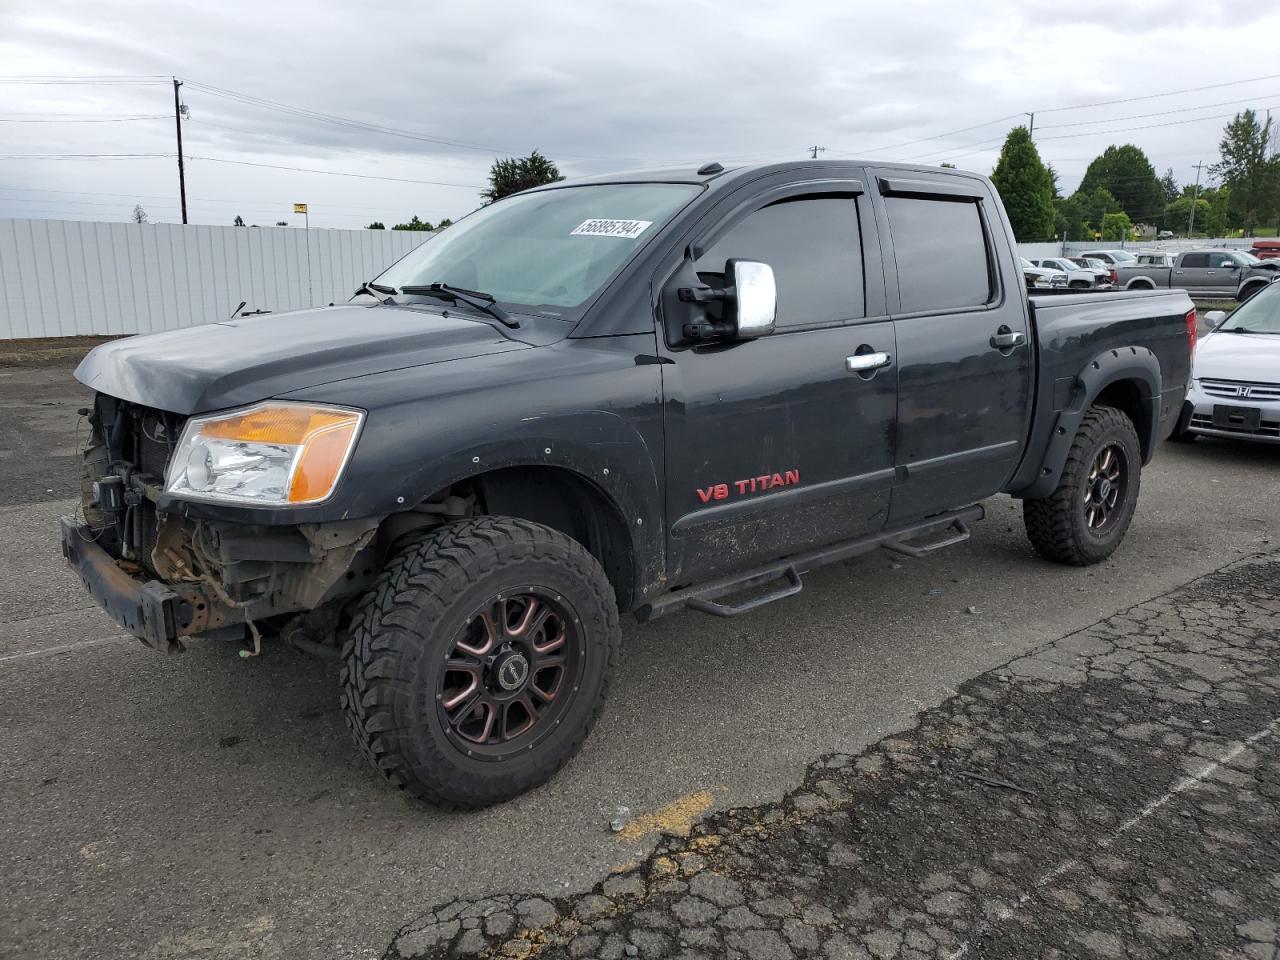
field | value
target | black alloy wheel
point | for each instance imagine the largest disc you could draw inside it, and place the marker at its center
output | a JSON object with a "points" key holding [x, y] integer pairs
{"points": [[508, 674], [1105, 489]]}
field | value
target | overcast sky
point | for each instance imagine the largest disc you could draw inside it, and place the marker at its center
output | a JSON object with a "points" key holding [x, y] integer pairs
{"points": [[596, 86]]}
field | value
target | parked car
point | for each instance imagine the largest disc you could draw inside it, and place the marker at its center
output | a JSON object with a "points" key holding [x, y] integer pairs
{"points": [[1040, 278], [1104, 271], [1114, 258], [1235, 390], [1164, 235], [1078, 277], [1266, 249], [1204, 273], [679, 386]]}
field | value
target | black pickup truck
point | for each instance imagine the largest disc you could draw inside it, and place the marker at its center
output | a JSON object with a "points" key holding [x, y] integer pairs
{"points": [[622, 395]]}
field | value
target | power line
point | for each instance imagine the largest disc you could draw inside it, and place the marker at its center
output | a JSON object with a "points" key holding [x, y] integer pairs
{"points": [[1156, 96], [336, 173], [243, 201], [308, 113], [86, 156], [158, 116], [72, 81], [1162, 113]]}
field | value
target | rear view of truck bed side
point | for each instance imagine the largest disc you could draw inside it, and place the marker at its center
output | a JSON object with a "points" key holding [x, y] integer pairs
{"points": [[1130, 350]]}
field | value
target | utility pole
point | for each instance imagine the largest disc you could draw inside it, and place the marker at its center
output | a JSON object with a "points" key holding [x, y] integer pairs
{"points": [[177, 120], [1195, 196], [1031, 130], [814, 151]]}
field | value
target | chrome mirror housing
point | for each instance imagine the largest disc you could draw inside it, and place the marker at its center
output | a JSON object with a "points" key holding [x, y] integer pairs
{"points": [[756, 295]]}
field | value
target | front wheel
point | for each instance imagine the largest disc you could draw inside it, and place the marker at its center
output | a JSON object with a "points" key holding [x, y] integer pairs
{"points": [[1085, 518], [479, 660]]}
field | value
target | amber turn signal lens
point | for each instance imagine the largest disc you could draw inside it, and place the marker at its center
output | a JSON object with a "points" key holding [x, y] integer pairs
{"points": [[323, 454]]}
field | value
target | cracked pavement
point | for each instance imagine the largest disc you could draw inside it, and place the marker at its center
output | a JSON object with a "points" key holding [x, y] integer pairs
{"points": [[1115, 793]]}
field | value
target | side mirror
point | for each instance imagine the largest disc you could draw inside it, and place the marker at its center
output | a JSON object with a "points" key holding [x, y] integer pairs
{"points": [[749, 303], [756, 296], [1215, 318]]}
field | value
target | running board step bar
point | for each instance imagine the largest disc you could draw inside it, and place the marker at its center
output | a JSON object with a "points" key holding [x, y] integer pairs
{"points": [[704, 597]]}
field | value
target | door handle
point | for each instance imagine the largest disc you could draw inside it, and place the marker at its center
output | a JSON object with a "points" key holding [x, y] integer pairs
{"points": [[1006, 339], [861, 362]]}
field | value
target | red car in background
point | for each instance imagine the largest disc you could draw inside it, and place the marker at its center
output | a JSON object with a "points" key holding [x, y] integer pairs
{"points": [[1266, 249]]}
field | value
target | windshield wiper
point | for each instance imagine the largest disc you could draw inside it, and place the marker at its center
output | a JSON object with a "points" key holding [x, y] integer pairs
{"points": [[473, 298], [1247, 330], [376, 290]]}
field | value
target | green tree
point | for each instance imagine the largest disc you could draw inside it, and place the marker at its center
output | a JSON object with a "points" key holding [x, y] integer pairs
{"points": [[1093, 206], [515, 174], [1221, 217], [1127, 174], [1170, 186], [1116, 226], [1069, 220], [1177, 215], [239, 221], [376, 225], [414, 224], [1252, 177], [1025, 186], [446, 222]]}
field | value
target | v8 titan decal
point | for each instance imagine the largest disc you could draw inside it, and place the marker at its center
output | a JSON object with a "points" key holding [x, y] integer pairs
{"points": [[767, 481]]}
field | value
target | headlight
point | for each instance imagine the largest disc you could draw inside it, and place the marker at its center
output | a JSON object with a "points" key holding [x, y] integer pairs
{"points": [[272, 454]]}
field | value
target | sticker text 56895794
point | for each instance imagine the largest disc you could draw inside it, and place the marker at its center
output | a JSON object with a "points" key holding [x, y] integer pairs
{"points": [[626, 229]]}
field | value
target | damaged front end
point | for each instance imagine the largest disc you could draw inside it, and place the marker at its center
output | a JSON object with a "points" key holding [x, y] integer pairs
{"points": [[164, 576]]}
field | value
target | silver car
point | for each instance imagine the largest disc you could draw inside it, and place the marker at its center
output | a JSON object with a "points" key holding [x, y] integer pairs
{"points": [[1235, 386]]}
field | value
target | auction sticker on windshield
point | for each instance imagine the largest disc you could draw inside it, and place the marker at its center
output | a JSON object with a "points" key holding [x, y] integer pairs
{"points": [[626, 229]]}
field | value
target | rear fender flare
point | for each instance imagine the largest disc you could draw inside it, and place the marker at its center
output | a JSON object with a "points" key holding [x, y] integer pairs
{"points": [[1133, 364]]}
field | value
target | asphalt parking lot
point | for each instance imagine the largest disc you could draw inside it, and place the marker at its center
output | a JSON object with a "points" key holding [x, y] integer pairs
{"points": [[204, 806]]}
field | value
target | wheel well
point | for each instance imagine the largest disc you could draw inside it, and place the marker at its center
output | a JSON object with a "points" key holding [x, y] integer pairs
{"points": [[565, 501], [1140, 284], [1249, 289], [1126, 396]]}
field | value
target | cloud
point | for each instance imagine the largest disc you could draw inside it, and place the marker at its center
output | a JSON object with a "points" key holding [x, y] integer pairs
{"points": [[596, 87]]}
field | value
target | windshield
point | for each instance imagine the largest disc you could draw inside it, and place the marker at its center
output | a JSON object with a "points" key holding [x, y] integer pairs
{"points": [[1026, 264], [552, 249], [1122, 256], [1259, 314]]}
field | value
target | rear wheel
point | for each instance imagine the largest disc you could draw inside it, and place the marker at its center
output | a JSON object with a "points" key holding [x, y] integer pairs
{"points": [[1086, 517], [479, 661]]}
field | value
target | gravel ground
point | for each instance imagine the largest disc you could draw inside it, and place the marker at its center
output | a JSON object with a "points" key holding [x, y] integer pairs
{"points": [[1115, 793]]}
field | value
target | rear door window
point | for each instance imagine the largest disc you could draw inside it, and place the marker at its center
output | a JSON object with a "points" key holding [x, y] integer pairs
{"points": [[944, 261]]}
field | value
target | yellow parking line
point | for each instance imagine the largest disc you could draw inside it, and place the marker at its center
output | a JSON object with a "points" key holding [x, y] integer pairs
{"points": [[675, 817]]}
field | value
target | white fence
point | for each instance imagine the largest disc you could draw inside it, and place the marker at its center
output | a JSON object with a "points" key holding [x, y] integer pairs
{"points": [[60, 278], [1054, 248]]}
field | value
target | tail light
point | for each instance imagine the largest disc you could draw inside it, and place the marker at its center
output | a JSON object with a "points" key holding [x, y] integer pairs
{"points": [[1115, 277], [1191, 331]]}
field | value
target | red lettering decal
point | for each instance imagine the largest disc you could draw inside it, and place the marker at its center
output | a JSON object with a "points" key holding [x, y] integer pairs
{"points": [[776, 480], [741, 485], [793, 476], [722, 491], [705, 495]]}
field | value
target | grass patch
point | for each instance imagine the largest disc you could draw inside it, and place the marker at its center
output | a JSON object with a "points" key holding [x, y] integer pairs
{"points": [[36, 351]]}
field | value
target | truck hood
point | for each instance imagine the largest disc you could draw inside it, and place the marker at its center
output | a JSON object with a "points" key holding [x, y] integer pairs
{"points": [[1239, 356], [245, 360]]}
